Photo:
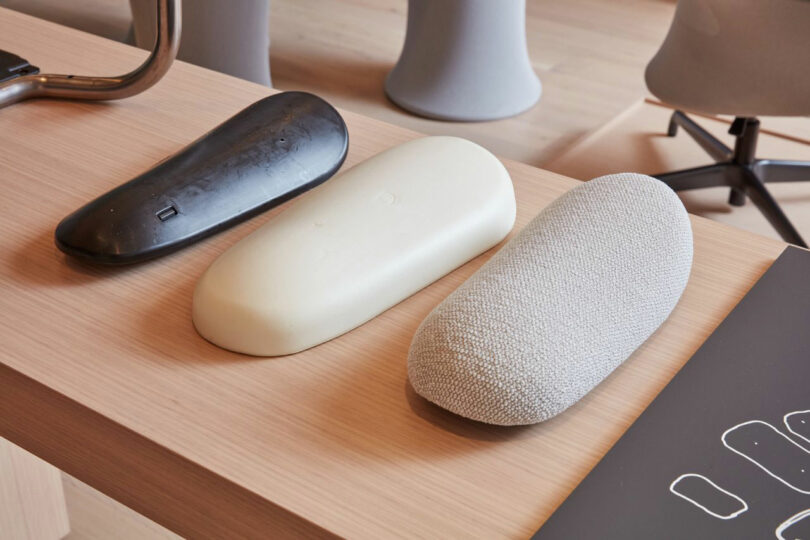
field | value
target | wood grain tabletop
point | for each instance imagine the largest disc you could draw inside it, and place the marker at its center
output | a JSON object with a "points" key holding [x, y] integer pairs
{"points": [[103, 375]]}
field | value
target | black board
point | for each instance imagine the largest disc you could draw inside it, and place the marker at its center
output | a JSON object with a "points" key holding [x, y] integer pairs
{"points": [[730, 434]]}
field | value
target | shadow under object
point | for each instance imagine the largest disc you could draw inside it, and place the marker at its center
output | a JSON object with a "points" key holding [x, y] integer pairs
{"points": [[740, 170], [27, 83], [266, 154]]}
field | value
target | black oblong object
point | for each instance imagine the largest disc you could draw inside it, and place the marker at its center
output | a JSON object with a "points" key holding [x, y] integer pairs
{"points": [[268, 153]]}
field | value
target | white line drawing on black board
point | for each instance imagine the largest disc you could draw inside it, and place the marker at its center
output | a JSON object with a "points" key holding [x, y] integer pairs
{"points": [[801, 423], [789, 522], [674, 484], [772, 451]]}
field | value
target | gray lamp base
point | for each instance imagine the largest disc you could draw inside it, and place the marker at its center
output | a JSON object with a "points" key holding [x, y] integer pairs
{"points": [[464, 60], [229, 37]]}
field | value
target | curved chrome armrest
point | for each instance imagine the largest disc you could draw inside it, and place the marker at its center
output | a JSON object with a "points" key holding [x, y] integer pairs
{"points": [[104, 88]]}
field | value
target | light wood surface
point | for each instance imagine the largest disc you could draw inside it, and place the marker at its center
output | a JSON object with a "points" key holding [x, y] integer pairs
{"points": [[589, 54], [32, 503], [95, 516], [103, 375], [109, 18], [636, 141]]}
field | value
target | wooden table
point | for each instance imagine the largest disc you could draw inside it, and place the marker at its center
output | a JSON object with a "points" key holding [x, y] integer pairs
{"points": [[103, 375]]}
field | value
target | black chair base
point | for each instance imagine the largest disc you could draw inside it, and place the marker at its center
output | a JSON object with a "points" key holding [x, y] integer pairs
{"points": [[739, 170]]}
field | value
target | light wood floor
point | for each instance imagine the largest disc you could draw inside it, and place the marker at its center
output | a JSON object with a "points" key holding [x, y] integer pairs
{"points": [[94, 516], [589, 54]]}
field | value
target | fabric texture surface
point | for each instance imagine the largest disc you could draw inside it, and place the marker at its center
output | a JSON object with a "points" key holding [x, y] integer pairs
{"points": [[560, 306]]}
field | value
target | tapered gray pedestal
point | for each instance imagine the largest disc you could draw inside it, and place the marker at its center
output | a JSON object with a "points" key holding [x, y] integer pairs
{"points": [[464, 60], [230, 36]]}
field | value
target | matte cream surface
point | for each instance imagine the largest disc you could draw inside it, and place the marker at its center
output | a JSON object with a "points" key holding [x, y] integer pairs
{"points": [[357, 245]]}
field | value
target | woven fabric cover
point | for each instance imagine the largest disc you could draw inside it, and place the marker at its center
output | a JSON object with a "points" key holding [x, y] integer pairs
{"points": [[560, 306]]}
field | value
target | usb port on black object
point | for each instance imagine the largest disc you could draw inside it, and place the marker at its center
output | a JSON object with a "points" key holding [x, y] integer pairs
{"points": [[167, 213]]}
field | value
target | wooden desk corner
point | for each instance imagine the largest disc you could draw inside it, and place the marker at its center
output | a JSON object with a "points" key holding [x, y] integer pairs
{"points": [[102, 374]]}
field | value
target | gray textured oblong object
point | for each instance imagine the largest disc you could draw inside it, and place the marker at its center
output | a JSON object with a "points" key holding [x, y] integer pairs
{"points": [[560, 306]]}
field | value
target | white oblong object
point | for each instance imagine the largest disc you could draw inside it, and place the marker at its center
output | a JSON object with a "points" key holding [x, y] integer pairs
{"points": [[560, 306], [355, 246]]}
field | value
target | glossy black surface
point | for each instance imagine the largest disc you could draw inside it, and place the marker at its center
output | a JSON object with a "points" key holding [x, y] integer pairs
{"points": [[12, 66], [268, 153]]}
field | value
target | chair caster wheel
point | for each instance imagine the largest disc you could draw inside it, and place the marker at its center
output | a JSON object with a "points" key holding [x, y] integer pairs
{"points": [[736, 197]]}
